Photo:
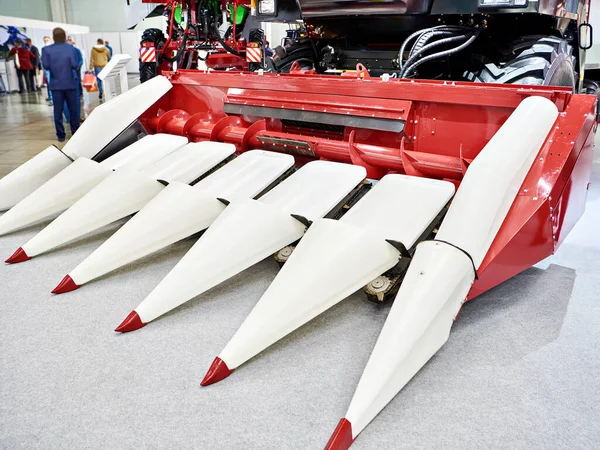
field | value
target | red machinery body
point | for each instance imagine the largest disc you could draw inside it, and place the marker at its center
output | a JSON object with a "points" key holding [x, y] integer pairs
{"points": [[420, 128], [217, 57]]}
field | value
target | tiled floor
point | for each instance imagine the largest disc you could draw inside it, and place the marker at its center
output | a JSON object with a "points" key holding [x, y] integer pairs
{"points": [[27, 127]]}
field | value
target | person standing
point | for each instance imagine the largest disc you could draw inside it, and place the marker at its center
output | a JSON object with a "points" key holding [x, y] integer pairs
{"points": [[23, 64], [109, 49], [47, 42], [98, 60], [79, 59], [59, 60], [36, 64], [77, 74], [268, 50]]}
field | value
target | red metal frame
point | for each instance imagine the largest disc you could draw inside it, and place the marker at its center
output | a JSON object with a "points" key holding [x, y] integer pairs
{"points": [[219, 59], [222, 60], [446, 126]]}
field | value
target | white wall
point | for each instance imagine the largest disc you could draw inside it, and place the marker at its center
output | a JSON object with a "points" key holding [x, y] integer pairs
{"points": [[275, 32], [130, 45], [99, 15], [29, 9]]}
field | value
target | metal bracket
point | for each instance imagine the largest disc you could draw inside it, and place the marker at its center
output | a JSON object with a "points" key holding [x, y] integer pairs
{"points": [[400, 247], [303, 220], [287, 145]]}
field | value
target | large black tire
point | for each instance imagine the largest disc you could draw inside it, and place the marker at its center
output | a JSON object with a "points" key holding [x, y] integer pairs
{"points": [[301, 51], [532, 60], [147, 71], [157, 38]]}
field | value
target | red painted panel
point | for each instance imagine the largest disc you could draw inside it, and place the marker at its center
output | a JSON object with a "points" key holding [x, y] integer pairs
{"points": [[226, 61], [525, 246], [466, 93], [526, 236], [571, 204], [454, 129]]}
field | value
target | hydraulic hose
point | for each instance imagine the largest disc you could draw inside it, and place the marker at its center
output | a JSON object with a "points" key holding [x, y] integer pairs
{"points": [[407, 40], [225, 45], [447, 28], [443, 54], [425, 38], [421, 41], [428, 47], [179, 51]]}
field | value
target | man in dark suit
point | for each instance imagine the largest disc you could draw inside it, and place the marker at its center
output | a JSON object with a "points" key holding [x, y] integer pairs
{"points": [[59, 60]]}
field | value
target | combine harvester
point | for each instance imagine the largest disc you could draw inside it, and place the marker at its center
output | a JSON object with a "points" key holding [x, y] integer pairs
{"points": [[519, 157], [478, 182]]}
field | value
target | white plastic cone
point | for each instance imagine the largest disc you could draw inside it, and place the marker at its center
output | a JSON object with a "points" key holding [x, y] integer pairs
{"points": [[249, 231], [56, 195], [331, 262], [441, 275], [177, 212], [247, 176], [438, 280], [180, 211], [77, 179], [26, 178], [336, 258], [223, 252], [109, 119], [123, 193], [190, 162], [146, 152]]}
